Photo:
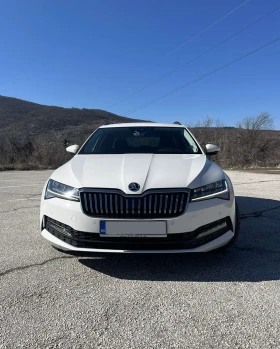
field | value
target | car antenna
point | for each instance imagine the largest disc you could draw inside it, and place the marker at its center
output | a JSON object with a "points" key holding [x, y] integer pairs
{"points": [[177, 123]]}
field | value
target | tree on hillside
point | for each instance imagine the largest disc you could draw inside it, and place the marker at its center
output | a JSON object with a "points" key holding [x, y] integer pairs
{"points": [[255, 144]]}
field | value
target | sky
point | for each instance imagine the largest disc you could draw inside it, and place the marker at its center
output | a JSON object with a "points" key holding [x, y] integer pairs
{"points": [[94, 53]]}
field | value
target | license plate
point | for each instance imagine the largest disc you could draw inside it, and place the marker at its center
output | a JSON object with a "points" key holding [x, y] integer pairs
{"points": [[133, 229]]}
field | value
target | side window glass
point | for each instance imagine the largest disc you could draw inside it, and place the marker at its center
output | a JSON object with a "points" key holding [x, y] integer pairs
{"points": [[190, 141]]}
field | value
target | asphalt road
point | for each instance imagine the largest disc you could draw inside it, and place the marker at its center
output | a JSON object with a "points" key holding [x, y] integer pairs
{"points": [[52, 300]]}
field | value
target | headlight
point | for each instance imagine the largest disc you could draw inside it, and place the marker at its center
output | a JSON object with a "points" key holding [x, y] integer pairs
{"points": [[63, 191], [217, 189]]}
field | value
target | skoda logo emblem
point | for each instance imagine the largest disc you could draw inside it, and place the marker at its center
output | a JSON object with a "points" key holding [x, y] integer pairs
{"points": [[134, 186]]}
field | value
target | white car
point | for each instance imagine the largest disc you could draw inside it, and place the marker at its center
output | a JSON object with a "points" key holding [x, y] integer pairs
{"points": [[140, 188]]}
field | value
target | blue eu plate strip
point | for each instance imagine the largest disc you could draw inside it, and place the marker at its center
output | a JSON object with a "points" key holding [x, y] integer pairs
{"points": [[102, 227]]}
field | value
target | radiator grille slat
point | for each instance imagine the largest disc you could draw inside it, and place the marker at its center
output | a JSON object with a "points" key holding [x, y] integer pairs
{"points": [[176, 203], [121, 199], [101, 203], [117, 205], [160, 203], [145, 205], [139, 206], [111, 204], [171, 203], [90, 203], [95, 203], [181, 203], [155, 205], [165, 203], [106, 203], [86, 202], [150, 204], [126, 205]]}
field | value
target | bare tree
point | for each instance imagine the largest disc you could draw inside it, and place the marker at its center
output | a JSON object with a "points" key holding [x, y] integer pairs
{"points": [[219, 123], [263, 121], [254, 142]]}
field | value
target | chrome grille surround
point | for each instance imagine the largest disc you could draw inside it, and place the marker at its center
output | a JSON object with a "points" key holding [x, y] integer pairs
{"points": [[152, 204]]}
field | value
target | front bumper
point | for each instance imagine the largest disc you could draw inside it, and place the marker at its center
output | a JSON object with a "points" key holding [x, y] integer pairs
{"points": [[203, 239], [180, 230], [220, 241]]}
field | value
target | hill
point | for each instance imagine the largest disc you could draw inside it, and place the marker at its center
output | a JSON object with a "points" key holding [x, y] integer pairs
{"points": [[33, 120]]}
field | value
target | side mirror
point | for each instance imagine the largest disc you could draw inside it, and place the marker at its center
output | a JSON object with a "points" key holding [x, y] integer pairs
{"points": [[73, 148], [211, 149]]}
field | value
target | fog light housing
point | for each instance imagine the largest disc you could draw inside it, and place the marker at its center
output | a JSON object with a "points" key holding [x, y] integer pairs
{"points": [[211, 230], [55, 226]]}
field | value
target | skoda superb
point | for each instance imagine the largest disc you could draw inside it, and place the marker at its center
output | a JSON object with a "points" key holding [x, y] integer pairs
{"points": [[140, 188]]}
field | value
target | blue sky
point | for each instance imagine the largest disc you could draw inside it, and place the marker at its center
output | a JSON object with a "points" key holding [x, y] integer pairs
{"points": [[91, 54]]}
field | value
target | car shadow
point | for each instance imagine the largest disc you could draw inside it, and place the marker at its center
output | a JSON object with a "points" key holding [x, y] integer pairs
{"points": [[255, 257]]}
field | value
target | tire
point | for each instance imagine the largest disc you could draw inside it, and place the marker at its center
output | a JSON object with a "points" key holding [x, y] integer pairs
{"points": [[236, 233]]}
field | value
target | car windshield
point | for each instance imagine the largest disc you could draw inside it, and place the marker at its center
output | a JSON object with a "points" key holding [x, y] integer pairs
{"points": [[139, 140]]}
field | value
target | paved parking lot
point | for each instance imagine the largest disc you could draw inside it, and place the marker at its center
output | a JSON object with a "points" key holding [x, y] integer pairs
{"points": [[53, 300]]}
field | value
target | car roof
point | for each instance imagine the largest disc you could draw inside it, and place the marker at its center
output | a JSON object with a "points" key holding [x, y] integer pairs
{"points": [[141, 124]]}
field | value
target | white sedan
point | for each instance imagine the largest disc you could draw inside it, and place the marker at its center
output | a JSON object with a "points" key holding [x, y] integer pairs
{"points": [[140, 188]]}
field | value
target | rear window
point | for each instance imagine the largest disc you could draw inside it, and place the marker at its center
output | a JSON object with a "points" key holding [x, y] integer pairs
{"points": [[131, 140]]}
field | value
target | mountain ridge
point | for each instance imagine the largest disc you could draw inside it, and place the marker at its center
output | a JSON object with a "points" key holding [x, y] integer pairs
{"points": [[34, 119]]}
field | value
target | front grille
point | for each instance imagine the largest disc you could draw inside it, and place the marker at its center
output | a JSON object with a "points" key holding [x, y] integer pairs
{"points": [[115, 204], [189, 240]]}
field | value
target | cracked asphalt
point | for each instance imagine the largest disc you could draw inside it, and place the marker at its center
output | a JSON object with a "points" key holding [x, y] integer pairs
{"points": [[218, 300]]}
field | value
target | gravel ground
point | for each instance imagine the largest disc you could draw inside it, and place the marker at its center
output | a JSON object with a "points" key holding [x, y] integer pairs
{"points": [[54, 300]]}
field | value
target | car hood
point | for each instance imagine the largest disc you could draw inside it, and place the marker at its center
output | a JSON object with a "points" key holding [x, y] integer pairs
{"points": [[150, 171]]}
